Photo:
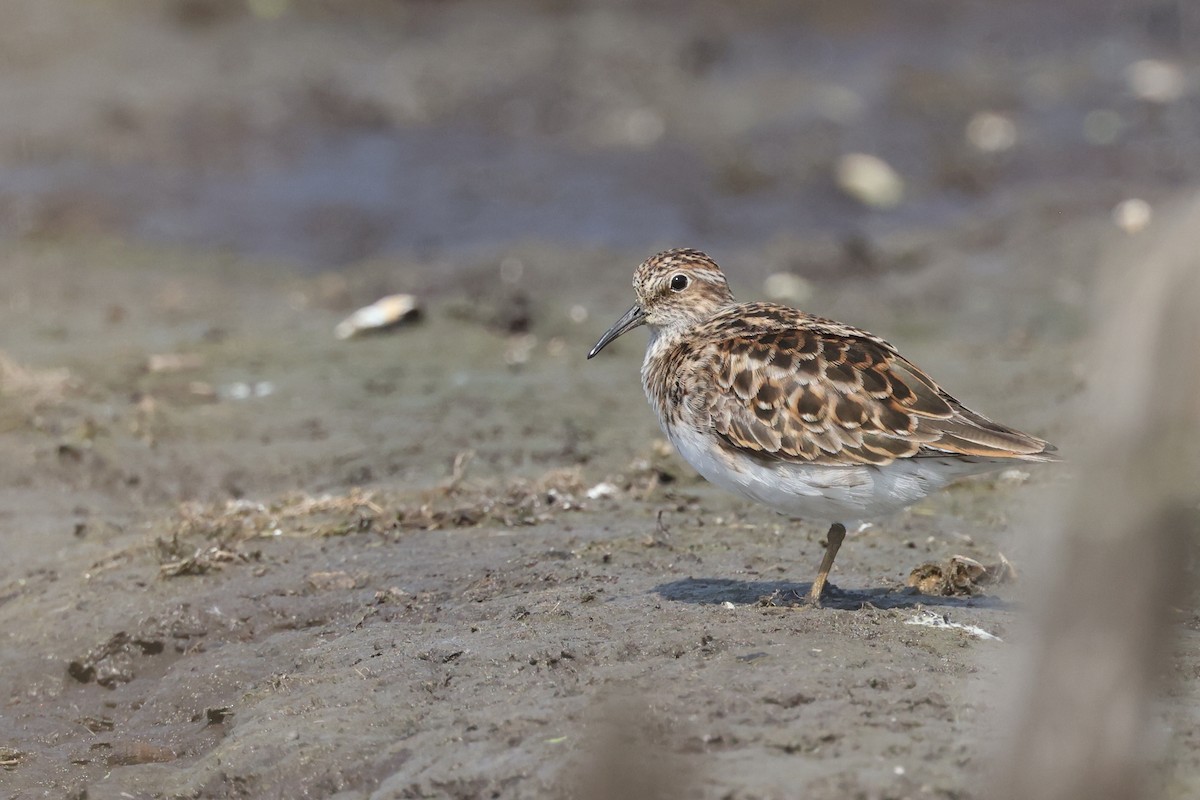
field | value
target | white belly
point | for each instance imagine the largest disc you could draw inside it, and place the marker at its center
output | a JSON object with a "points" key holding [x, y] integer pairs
{"points": [[825, 493]]}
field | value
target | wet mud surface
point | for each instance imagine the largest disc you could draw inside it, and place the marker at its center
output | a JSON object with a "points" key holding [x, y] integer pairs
{"points": [[403, 567], [246, 559]]}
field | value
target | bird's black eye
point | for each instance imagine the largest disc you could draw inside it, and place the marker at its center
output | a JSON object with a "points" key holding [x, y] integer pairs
{"points": [[679, 283]]}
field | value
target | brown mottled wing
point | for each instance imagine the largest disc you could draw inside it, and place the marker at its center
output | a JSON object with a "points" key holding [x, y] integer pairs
{"points": [[819, 392]]}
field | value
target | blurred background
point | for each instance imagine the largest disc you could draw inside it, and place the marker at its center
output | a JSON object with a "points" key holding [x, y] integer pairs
{"points": [[322, 133], [194, 193]]}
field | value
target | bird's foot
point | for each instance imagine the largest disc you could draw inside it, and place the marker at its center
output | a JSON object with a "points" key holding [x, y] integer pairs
{"points": [[825, 591]]}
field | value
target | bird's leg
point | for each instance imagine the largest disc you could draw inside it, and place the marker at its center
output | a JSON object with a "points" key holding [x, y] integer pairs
{"points": [[833, 539]]}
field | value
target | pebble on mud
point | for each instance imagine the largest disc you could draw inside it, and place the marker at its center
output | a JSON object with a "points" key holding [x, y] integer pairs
{"points": [[960, 576], [1132, 215], [385, 314], [241, 390], [519, 349], [870, 180], [217, 715], [602, 490], [111, 663], [990, 132], [174, 362], [337, 579], [1156, 81]]}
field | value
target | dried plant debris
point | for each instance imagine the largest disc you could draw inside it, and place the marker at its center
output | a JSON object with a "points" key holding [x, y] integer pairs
{"points": [[960, 576], [34, 388], [10, 758], [392, 594], [97, 724], [296, 513], [515, 503], [201, 561], [224, 529], [129, 753]]}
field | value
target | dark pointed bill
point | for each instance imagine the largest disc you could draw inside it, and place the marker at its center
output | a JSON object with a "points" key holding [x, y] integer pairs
{"points": [[632, 318]]}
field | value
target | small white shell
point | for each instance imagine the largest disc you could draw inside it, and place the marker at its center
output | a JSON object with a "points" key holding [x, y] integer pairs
{"points": [[602, 490], [1132, 215], [1156, 81], [869, 180], [384, 314], [990, 132]]}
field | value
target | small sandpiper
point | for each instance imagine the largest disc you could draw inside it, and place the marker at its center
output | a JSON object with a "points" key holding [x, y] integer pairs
{"points": [[810, 417]]}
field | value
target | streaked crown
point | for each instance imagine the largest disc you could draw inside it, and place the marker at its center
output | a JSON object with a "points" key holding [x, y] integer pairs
{"points": [[679, 287]]}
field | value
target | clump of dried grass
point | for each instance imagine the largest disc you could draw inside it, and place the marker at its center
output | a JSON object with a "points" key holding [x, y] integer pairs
{"points": [[34, 388], [512, 504], [204, 537], [294, 514]]}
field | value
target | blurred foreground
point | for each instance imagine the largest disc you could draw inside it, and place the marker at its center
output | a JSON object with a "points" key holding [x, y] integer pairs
{"points": [[244, 558]]}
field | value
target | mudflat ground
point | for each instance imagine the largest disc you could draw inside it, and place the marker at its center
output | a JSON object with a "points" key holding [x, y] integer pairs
{"points": [[246, 559]]}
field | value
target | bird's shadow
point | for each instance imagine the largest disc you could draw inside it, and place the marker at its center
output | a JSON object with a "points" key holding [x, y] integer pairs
{"points": [[712, 591]]}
